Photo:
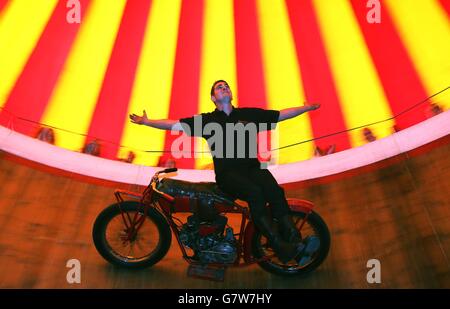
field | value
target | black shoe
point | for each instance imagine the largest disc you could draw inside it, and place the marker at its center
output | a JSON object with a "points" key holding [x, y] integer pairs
{"points": [[284, 251], [287, 251]]}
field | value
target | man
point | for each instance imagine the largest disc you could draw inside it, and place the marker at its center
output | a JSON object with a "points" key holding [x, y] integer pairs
{"points": [[239, 173]]}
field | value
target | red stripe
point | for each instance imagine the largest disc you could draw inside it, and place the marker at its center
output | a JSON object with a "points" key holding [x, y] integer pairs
{"points": [[110, 113], [3, 4], [34, 87], [250, 76], [184, 96], [446, 5], [250, 73], [401, 83], [317, 77]]}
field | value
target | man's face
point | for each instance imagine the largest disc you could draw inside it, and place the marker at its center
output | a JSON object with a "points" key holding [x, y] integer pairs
{"points": [[222, 93]]}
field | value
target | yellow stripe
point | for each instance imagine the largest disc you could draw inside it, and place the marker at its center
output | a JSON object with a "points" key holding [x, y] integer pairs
{"points": [[75, 96], [425, 30], [21, 26], [360, 91], [218, 59], [153, 84], [283, 80]]}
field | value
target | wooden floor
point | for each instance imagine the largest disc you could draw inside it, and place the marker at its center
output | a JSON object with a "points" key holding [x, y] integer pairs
{"points": [[399, 215]]}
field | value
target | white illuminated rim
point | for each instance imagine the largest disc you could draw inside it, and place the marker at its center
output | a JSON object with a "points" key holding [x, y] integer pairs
{"points": [[60, 158]]}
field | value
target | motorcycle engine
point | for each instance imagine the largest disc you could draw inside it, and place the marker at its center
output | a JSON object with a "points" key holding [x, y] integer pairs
{"points": [[211, 242]]}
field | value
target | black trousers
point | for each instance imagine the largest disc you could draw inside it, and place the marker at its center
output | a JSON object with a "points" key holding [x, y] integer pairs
{"points": [[257, 187]]}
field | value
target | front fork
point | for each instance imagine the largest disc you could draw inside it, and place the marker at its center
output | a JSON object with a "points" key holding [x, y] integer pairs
{"points": [[132, 225]]}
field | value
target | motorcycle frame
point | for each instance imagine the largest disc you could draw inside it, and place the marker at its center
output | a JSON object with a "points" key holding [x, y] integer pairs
{"points": [[168, 205]]}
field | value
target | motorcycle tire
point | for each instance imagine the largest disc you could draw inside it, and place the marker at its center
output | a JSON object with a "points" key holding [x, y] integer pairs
{"points": [[316, 226], [110, 240]]}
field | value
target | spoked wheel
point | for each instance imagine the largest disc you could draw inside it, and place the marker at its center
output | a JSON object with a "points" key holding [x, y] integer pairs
{"points": [[119, 242], [313, 229]]}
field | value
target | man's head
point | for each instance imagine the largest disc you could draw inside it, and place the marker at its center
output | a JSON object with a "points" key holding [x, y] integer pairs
{"points": [[221, 92]]}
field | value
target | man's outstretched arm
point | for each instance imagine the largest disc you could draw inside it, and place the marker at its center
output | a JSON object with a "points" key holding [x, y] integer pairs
{"points": [[292, 112], [163, 124]]}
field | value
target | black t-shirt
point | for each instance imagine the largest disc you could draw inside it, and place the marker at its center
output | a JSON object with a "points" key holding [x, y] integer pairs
{"points": [[231, 138]]}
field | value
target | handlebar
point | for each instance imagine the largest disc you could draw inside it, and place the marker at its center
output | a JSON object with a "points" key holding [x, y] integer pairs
{"points": [[155, 181], [166, 171], [169, 170]]}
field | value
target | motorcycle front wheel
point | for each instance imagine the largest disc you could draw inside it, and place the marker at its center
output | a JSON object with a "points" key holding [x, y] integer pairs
{"points": [[313, 227], [144, 248]]}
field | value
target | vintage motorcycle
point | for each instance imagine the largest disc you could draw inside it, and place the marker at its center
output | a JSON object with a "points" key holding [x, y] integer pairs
{"points": [[136, 233]]}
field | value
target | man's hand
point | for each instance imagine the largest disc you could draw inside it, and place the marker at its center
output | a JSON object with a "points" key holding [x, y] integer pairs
{"points": [[163, 124], [289, 113], [139, 119], [312, 106]]}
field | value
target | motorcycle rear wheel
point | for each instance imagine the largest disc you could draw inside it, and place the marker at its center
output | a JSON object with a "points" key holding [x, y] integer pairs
{"points": [[146, 248], [314, 226]]}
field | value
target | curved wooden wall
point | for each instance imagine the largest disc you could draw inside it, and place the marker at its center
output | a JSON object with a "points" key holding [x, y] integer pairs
{"points": [[397, 212]]}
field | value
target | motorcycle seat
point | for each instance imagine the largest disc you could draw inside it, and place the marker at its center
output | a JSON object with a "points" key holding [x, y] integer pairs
{"points": [[202, 190]]}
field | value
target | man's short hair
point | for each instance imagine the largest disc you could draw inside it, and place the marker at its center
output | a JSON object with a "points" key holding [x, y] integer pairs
{"points": [[215, 83]]}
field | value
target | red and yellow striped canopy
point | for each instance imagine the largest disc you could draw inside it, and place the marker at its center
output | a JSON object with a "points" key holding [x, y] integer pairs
{"points": [[163, 56]]}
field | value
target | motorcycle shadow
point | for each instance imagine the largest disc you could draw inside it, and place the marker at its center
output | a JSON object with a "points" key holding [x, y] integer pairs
{"points": [[171, 273]]}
